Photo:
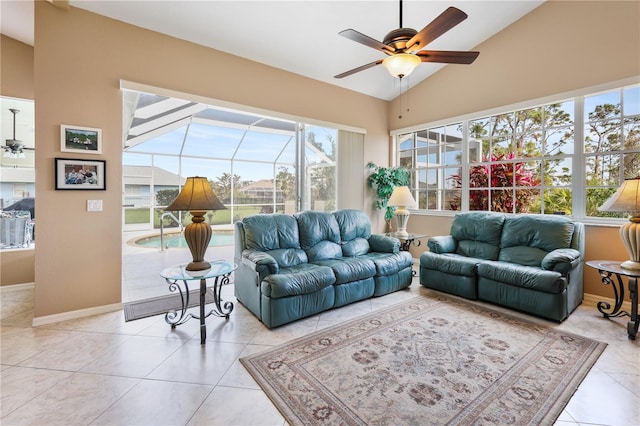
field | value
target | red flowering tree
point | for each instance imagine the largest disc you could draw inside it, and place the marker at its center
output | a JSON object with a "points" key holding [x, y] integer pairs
{"points": [[502, 185]]}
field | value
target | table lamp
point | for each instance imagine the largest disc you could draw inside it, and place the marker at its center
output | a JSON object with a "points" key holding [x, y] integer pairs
{"points": [[627, 199], [401, 198], [197, 197]]}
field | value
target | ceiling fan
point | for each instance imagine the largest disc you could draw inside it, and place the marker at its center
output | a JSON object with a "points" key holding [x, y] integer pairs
{"points": [[404, 45], [14, 147]]}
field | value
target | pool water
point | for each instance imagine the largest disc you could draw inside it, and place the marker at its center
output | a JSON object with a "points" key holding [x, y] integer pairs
{"points": [[176, 240]]}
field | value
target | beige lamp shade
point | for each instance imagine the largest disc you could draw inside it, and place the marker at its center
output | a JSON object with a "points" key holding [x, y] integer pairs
{"points": [[401, 198], [196, 194], [197, 197], [627, 199]]}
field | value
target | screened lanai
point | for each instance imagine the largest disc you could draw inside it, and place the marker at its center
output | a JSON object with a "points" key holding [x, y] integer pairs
{"points": [[252, 160]]}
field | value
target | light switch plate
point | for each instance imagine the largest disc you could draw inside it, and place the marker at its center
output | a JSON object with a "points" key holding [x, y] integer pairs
{"points": [[94, 205]]}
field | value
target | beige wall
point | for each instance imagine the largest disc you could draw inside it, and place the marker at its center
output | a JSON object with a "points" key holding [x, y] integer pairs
{"points": [[16, 68], [16, 81], [80, 58], [559, 47]]}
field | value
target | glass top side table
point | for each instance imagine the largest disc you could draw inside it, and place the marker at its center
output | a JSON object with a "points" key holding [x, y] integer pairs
{"points": [[608, 269], [408, 240], [220, 271]]}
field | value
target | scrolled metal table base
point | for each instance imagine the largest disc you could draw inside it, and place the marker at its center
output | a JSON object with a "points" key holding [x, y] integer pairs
{"points": [[180, 316]]}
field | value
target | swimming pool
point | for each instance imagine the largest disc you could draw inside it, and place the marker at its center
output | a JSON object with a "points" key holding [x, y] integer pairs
{"points": [[176, 240]]}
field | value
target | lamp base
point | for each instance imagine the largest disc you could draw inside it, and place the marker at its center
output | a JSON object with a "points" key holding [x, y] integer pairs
{"points": [[402, 218], [630, 236], [198, 266], [198, 234], [631, 265]]}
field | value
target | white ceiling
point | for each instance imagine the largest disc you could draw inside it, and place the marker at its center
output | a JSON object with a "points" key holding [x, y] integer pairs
{"points": [[298, 36]]}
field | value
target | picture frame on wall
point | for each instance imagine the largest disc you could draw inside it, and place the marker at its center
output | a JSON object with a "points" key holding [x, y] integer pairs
{"points": [[77, 174], [85, 140]]}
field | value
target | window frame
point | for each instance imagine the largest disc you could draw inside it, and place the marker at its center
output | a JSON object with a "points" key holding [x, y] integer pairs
{"points": [[578, 158]]}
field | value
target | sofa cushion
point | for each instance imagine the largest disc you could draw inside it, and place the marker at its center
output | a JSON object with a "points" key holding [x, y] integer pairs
{"points": [[478, 234], [450, 263], [384, 244], [522, 255], [355, 247], [288, 257], [545, 232], [301, 279], [390, 263], [349, 269], [353, 224], [271, 231], [319, 235], [523, 276]]}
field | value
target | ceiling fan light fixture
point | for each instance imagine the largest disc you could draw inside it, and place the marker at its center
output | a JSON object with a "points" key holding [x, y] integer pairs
{"points": [[402, 64]]}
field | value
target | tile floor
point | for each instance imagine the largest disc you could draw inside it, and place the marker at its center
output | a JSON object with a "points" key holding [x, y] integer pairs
{"points": [[100, 370]]}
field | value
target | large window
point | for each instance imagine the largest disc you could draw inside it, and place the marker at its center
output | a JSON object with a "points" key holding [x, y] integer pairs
{"points": [[252, 161], [561, 157]]}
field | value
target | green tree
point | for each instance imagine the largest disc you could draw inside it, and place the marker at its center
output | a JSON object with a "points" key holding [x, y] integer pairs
{"points": [[322, 171], [224, 184], [286, 182], [540, 132], [164, 197]]}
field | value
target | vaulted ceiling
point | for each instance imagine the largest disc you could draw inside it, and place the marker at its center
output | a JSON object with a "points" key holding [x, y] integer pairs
{"points": [[298, 36]]}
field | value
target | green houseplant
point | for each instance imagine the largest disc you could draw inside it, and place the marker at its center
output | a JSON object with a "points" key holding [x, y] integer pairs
{"points": [[383, 180]]}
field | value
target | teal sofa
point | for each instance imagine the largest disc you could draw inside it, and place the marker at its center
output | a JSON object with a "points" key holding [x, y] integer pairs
{"points": [[295, 266], [529, 262]]}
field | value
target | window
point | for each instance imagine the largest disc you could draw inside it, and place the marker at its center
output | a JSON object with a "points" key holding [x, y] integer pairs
{"points": [[255, 164], [545, 158], [611, 144]]}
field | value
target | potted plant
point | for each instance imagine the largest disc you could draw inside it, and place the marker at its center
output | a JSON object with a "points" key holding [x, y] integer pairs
{"points": [[383, 180]]}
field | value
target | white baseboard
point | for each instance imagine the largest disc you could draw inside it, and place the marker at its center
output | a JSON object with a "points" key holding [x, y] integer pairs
{"points": [[80, 313], [16, 287]]}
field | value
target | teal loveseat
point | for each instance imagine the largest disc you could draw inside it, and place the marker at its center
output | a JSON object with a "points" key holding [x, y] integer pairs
{"points": [[529, 262], [294, 266]]}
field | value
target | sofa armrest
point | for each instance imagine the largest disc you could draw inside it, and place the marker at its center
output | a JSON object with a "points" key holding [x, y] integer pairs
{"points": [[561, 260], [261, 262], [442, 244], [384, 244]]}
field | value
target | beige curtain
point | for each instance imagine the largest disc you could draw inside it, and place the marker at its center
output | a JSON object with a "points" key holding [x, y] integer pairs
{"points": [[351, 177]]}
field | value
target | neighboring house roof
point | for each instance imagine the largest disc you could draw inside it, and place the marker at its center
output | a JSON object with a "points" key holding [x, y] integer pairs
{"points": [[139, 175], [260, 185]]}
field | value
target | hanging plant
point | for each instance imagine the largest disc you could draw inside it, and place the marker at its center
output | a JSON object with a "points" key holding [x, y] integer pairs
{"points": [[383, 180]]}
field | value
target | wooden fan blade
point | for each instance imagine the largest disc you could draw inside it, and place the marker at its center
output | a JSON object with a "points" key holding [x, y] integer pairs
{"points": [[360, 68], [443, 23], [366, 40], [447, 57]]}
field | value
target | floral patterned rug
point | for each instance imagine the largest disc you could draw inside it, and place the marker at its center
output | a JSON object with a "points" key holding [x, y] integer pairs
{"points": [[426, 361]]}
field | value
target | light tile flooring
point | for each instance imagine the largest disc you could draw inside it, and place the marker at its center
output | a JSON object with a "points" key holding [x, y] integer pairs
{"points": [[100, 370]]}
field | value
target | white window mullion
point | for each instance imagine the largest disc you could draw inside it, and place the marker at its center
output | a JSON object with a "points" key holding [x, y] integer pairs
{"points": [[578, 184]]}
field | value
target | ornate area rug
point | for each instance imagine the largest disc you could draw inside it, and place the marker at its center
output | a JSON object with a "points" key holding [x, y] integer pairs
{"points": [[426, 361]]}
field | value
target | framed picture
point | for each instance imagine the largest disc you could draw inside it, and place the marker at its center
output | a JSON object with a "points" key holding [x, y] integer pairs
{"points": [[85, 140], [80, 174]]}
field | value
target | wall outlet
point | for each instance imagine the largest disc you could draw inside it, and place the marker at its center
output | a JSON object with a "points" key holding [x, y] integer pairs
{"points": [[94, 205]]}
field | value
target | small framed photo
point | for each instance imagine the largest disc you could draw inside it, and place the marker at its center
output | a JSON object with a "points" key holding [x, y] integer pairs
{"points": [[85, 140], [80, 174]]}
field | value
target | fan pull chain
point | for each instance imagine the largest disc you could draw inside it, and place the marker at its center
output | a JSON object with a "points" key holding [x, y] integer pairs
{"points": [[406, 96], [400, 97]]}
